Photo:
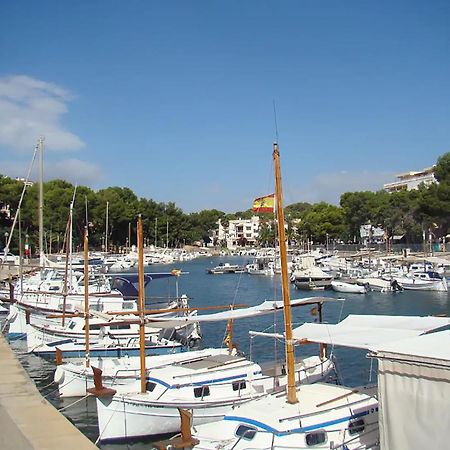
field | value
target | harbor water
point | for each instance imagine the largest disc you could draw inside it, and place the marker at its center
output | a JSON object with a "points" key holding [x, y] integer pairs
{"points": [[354, 368]]}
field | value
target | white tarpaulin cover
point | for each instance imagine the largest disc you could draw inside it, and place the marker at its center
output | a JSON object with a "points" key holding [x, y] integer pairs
{"points": [[368, 332], [414, 392], [266, 307]]}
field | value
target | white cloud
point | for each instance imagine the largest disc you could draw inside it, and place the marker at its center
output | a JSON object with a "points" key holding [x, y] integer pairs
{"points": [[330, 186], [30, 108], [73, 170]]}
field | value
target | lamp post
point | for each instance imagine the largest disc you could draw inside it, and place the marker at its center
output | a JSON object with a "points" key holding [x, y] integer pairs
{"points": [[6, 242], [27, 249]]}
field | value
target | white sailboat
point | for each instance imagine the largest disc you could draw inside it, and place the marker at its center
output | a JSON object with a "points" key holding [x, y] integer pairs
{"points": [[73, 379], [209, 386], [304, 416]]}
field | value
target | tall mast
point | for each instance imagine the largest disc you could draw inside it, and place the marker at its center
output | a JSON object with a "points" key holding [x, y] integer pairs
{"points": [[141, 303], [41, 200], [86, 295], [106, 235], [70, 237], [291, 391]]}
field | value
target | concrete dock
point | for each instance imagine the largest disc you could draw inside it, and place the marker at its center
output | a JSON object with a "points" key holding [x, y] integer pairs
{"points": [[27, 420]]}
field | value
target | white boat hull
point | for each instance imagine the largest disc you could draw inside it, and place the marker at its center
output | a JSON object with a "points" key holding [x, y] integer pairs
{"points": [[423, 285], [137, 415], [348, 288]]}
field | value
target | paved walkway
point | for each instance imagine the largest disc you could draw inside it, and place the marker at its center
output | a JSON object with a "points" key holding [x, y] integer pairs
{"points": [[27, 420]]}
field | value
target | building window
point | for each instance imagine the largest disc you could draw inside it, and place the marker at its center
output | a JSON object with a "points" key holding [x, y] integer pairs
{"points": [[246, 432]]}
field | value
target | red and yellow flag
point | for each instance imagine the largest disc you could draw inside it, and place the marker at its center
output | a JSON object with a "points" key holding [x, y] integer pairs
{"points": [[264, 204]]}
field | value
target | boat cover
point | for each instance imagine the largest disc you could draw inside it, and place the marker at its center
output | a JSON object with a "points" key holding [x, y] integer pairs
{"points": [[368, 331], [266, 307], [127, 284]]}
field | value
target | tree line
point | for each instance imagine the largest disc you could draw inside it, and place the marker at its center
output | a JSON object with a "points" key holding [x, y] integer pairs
{"points": [[407, 213]]}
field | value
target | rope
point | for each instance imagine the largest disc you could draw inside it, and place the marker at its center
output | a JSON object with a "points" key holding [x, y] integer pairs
{"points": [[107, 423], [74, 403]]}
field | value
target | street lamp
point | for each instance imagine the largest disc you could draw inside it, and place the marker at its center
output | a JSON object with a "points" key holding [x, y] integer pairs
{"points": [[6, 242], [27, 249]]}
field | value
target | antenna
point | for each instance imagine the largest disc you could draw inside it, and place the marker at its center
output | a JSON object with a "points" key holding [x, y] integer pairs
{"points": [[275, 119]]}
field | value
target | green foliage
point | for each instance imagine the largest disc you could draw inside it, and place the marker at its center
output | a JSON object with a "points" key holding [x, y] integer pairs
{"points": [[401, 213], [442, 169], [323, 219], [297, 210]]}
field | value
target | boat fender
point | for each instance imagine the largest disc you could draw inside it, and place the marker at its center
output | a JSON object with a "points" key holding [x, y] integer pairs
{"points": [[59, 375]]}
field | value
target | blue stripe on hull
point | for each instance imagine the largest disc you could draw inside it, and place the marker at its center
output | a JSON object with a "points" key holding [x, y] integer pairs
{"points": [[14, 336], [111, 352], [276, 432]]}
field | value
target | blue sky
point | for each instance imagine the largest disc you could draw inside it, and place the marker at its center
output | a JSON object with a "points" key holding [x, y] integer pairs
{"points": [[175, 99]]}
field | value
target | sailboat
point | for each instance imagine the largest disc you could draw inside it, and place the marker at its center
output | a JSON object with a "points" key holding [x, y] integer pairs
{"points": [[319, 415], [123, 373], [210, 383]]}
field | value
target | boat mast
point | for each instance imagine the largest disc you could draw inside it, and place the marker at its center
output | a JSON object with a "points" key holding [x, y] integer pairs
{"points": [[141, 303], [41, 200], [291, 391], [106, 235], [86, 295], [70, 237]]}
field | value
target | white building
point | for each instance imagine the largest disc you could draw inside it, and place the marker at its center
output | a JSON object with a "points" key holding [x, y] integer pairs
{"points": [[239, 233], [411, 180], [370, 233]]}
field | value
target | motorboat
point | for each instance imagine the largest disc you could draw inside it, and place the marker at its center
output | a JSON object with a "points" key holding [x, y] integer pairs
{"points": [[226, 268], [312, 278], [348, 288], [423, 281]]}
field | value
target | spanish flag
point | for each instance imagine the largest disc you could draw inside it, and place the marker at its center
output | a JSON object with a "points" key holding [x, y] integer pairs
{"points": [[264, 204]]}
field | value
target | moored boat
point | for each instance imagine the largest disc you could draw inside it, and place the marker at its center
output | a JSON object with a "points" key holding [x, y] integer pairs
{"points": [[348, 288]]}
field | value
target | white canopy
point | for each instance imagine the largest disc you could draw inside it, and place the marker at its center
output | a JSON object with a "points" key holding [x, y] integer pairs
{"points": [[414, 388], [368, 332], [267, 307]]}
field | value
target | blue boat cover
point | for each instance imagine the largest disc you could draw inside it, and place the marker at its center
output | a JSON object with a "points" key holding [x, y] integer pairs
{"points": [[127, 284]]}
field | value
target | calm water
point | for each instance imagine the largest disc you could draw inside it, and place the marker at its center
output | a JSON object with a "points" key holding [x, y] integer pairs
{"points": [[204, 290]]}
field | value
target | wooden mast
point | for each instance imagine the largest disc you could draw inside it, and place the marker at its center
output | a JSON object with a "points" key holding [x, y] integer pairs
{"points": [[291, 391], [86, 296], [141, 303], [41, 202]]}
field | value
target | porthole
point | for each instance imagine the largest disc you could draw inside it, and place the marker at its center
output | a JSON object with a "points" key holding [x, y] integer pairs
{"points": [[149, 386], [315, 438], [245, 432], [356, 426], [239, 385], [201, 392]]}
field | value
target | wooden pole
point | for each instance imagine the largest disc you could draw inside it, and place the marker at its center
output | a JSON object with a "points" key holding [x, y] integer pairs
{"points": [[86, 296], [291, 391], [141, 303]]}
